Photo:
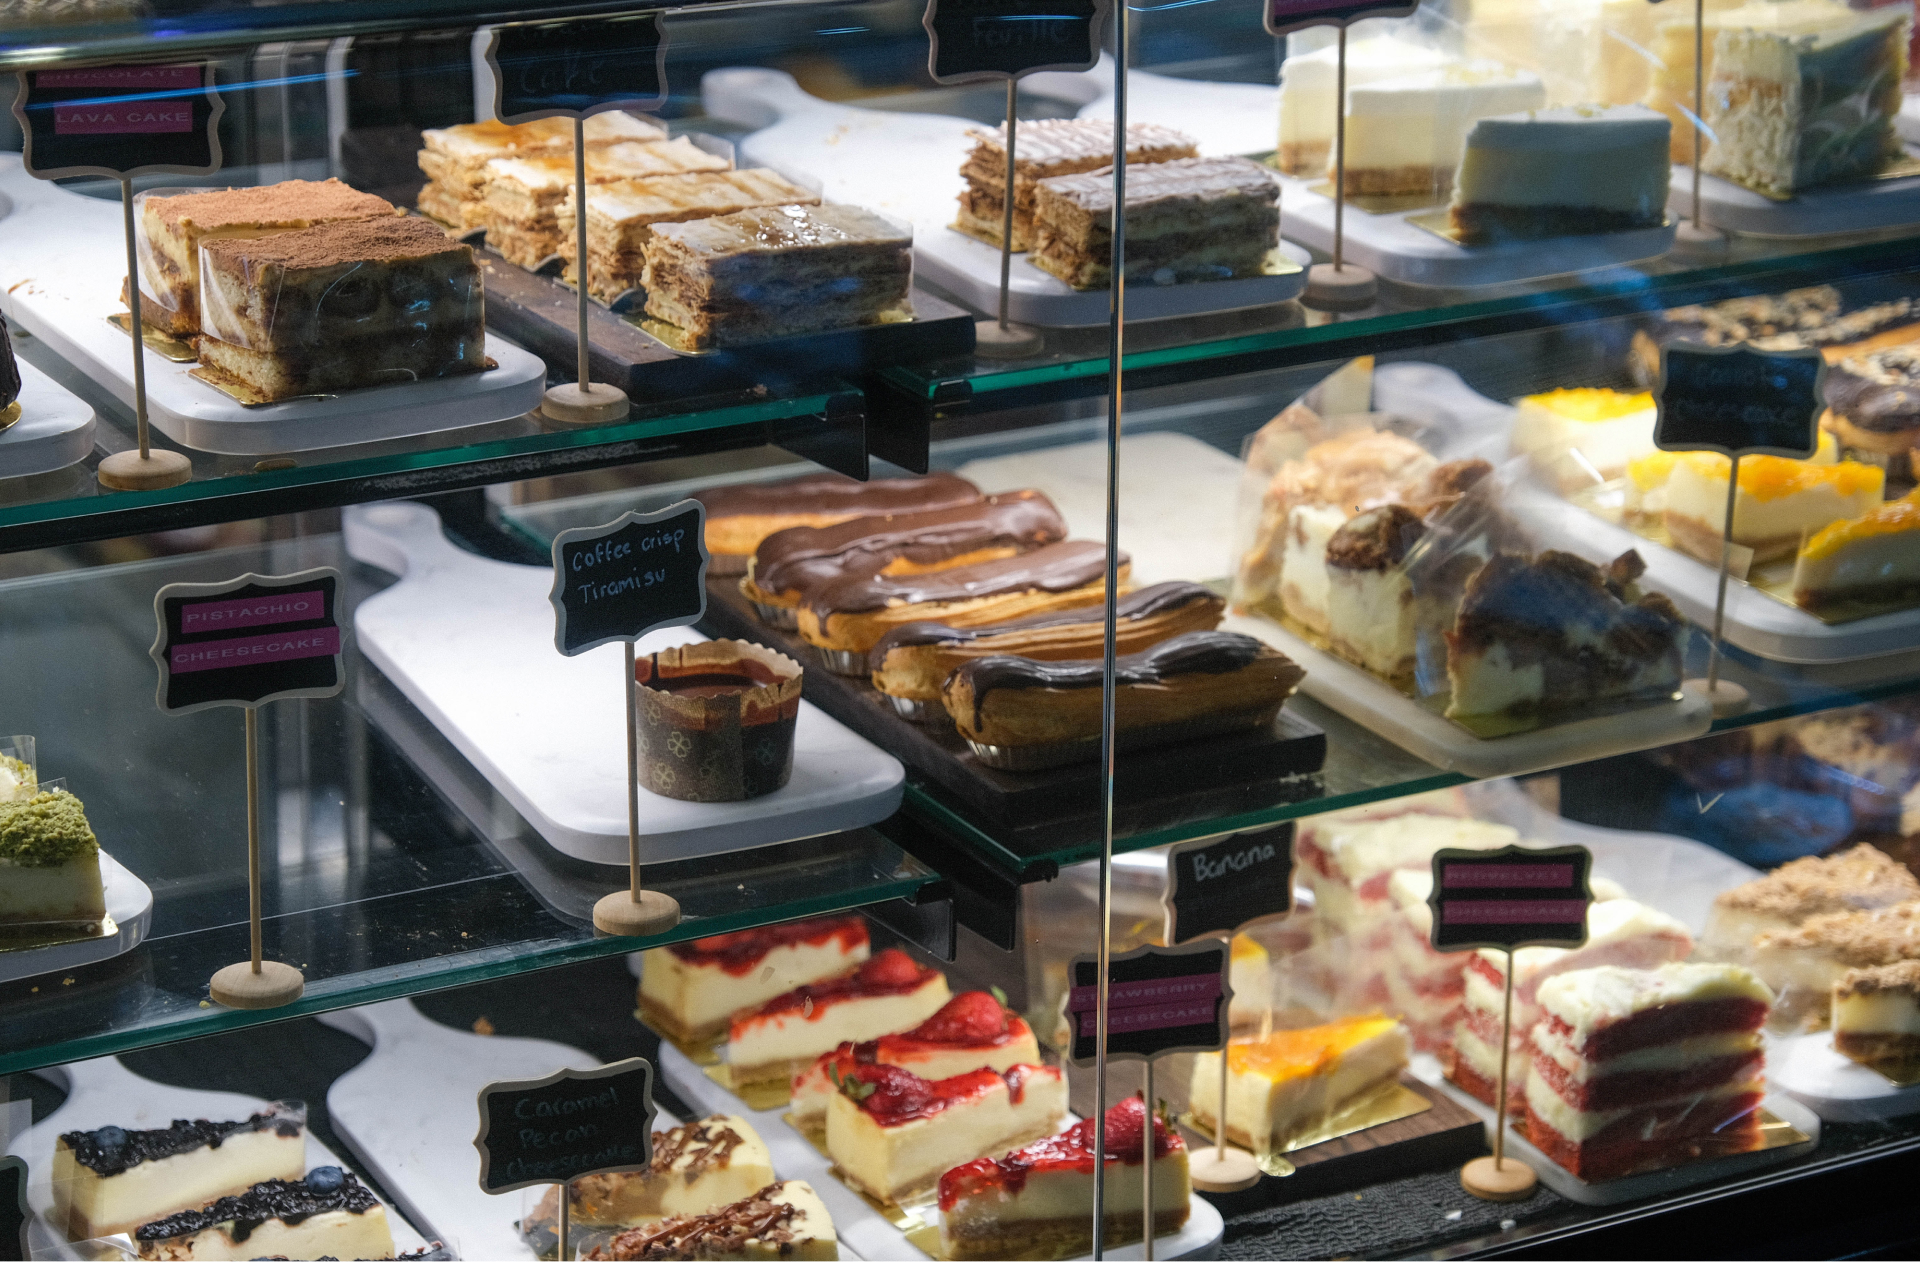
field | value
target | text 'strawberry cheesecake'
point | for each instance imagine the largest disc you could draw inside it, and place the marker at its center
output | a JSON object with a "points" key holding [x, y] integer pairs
{"points": [[973, 1031], [328, 1214], [693, 989], [1638, 1069], [1038, 1202], [893, 1133], [1280, 1085], [887, 994]]}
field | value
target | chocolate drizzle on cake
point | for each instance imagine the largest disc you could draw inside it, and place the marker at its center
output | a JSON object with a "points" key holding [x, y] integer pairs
{"points": [[759, 1217], [1878, 391], [111, 1150], [1058, 567], [1195, 653], [325, 1190], [710, 1142], [1147, 602]]}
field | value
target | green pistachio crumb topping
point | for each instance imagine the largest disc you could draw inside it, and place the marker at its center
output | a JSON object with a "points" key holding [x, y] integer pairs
{"points": [[44, 831]]}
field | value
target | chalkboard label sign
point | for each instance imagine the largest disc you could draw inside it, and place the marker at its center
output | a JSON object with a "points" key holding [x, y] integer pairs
{"points": [[1292, 15], [570, 1123], [973, 40], [1510, 898], [1159, 1000], [13, 1210], [637, 574], [1218, 884], [249, 641], [576, 68], [119, 121], [1735, 399]]}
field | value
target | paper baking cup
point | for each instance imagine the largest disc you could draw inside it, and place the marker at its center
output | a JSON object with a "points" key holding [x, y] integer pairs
{"points": [[717, 749]]}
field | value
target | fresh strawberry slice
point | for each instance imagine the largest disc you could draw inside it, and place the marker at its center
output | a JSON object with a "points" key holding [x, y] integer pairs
{"points": [[968, 1018]]}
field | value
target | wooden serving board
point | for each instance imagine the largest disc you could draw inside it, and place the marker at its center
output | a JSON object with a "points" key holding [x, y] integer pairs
{"points": [[1035, 811]]}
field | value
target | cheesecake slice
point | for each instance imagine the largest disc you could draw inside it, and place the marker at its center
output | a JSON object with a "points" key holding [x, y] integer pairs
{"points": [[1578, 438], [1803, 964], [1038, 1202], [779, 1222], [1286, 1083], [972, 1032], [1874, 557], [696, 1168], [328, 1214], [691, 990], [892, 1133], [110, 1180], [1876, 1014], [49, 864], [886, 995], [1778, 503], [1860, 879], [1561, 171]]}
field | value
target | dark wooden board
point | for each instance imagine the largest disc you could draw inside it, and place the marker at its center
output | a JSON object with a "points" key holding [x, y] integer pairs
{"points": [[542, 315], [1041, 811]]}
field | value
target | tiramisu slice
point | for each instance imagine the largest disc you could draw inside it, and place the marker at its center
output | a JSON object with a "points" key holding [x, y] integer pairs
{"points": [[1876, 1014], [1802, 964], [110, 1180], [696, 1168], [1280, 1085], [1044, 148], [1190, 219], [529, 200], [1038, 1202], [341, 306], [781, 1221], [1860, 879], [973, 1031], [892, 1133], [691, 990], [328, 1214], [887, 994], [778, 271], [172, 230], [49, 863], [1637, 1070]]}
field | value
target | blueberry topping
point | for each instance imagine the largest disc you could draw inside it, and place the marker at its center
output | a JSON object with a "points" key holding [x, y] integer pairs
{"points": [[110, 1137], [325, 1178]]}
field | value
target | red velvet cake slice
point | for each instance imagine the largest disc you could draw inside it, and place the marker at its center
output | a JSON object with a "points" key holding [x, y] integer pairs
{"points": [[691, 990], [1639, 1069], [972, 1032], [887, 994]]}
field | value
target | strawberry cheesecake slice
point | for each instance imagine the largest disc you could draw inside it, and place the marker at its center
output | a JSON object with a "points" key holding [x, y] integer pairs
{"points": [[1038, 1202], [972, 1032], [887, 994], [691, 990], [893, 1133]]}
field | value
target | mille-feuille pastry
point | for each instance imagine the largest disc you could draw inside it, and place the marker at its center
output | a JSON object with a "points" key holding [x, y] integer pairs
{"points": [[1019, 714], [789, 563], [172, 229], [778, 271], [1043, 149], [1187, 220], [739, 517], [911, 662], [844, 619], [360, 303], [621, 216], [455, 158], [529, 200]]}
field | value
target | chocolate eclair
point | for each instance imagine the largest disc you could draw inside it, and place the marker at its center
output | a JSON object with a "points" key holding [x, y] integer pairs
{"points": [[911, 662], [1873, 403], [1020, 714], [739, 517], [790, 562], [846, 618]]}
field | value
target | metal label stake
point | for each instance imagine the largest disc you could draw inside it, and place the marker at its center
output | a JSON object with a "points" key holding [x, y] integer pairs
{"points": [[144, 469], [585, 401], [1694, 236]]}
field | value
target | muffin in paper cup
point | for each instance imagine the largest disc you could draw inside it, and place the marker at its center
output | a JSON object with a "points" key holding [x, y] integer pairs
{"points": [[716, 720]]}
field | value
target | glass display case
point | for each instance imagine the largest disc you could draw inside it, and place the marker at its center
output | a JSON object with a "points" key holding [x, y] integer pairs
{"points": [[441, 306]]}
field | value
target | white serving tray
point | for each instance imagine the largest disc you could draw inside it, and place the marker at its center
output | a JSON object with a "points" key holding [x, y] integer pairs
{"points": [[129, 902], [104, 1092], [470, 642], [1856, 207], [864, 1231], [1806, 1067], [1386, 711], [55, 428], [908, 166], [410, 1111], [60, 278]]}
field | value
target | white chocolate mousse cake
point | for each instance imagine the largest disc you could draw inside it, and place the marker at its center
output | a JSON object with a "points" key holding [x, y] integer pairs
{"points": [[1307, 104], [1191, 219], [327, 1214], [691, 990], [1042, 149], [1370, 604], [1580, 437], [1802, 964], [1404, 135], [973, 1031], [1779, 502], [1862, 878], [782, 1222], [1038, 1202], [110, 1180], [49, 864], [697, 1167], [1874, 557], [1561, 172], [1283, 1084], [1640, 1069], [886, 995], [892, 1133], [1876, 1014]]}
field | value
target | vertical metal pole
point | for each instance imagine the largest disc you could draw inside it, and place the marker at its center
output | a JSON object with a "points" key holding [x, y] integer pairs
{"points": [[1699, 97], [1500, 1097], [1340, 152], [1117, 318], [1726, 563], [253, 818], [565, 1191], [140, 365], [633, 779], [580, 244], [1220, 1118], [1006, 215], [1146, 1168]]}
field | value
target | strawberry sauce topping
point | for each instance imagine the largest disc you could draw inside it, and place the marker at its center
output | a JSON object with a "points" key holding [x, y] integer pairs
{"points": [[892, 972], [900, 1095], [740, 953], [1071, 1149]]}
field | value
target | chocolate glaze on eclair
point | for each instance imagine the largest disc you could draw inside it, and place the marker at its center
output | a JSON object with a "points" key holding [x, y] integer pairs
{"points": [[800, 557], [1058, 567], [1195, 653], [1145, 603]]}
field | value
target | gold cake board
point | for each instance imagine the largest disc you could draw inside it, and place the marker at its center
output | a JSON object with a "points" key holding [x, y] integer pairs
{"points": [[1389, 1102], [705, 1054]]}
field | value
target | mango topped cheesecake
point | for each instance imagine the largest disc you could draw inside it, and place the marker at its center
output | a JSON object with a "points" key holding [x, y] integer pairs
{"points": [[1578, 437], [1874, 557], [1779, 501], [1289, 1081]]}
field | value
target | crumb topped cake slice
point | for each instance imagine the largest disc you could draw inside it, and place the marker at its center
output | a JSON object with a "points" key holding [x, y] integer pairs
{"points": [[781, 1221], [328, 1214], [1862, 878], [111, 1180], [1803, 963], [973, 1031], [1876, 1014], [691, 990], [887, 994]]}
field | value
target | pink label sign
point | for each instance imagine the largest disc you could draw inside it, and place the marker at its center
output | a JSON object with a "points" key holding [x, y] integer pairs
{"points": [[255, 611], [1200, 988], [1515, 911], [254, 650], [1170, 1016], [124, 78], [122, 119], [1541, 876]]}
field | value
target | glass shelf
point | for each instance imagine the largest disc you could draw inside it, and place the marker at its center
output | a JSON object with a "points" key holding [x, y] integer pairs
{"points": [[384, 874]]}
